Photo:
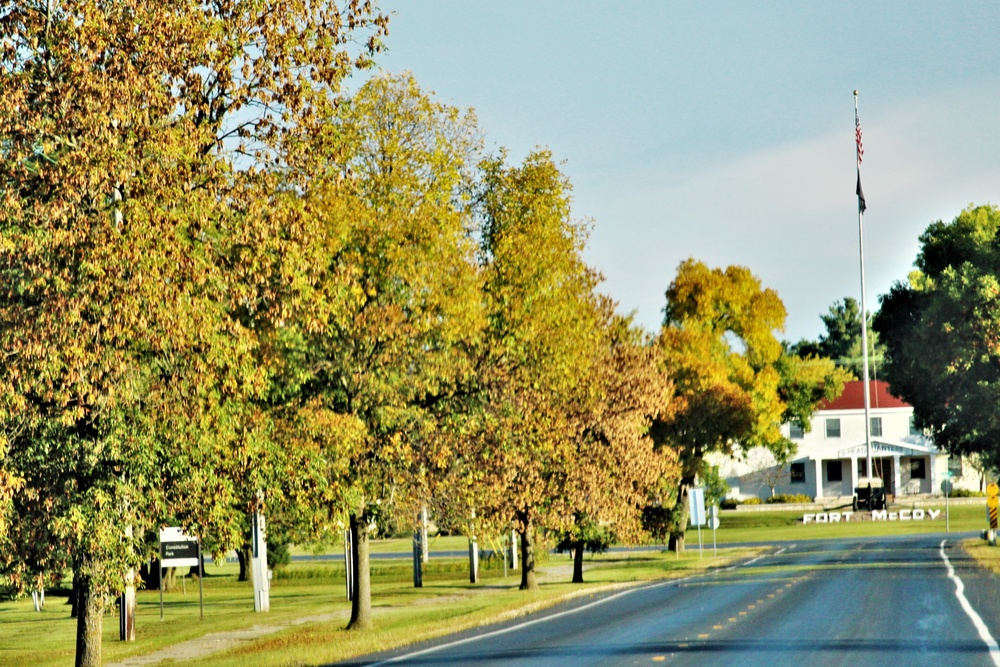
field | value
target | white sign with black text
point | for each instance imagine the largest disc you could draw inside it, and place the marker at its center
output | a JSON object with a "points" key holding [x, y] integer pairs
{"points": [[177, 549], [877, 515]]}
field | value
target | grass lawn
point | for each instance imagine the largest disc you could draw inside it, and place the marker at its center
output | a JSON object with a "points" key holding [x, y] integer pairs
{"points": [[309, 609]]}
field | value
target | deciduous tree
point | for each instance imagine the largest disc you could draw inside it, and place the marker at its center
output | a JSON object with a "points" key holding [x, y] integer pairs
{"points": [[719, 347], [541, 339], [395, 296], [941, 329], [616, 466], [120, 129]]}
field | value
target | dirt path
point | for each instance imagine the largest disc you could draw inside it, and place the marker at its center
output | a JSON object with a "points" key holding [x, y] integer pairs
{"points": [[218, 641]]}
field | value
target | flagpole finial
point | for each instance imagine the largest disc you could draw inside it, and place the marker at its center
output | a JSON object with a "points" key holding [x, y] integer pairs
{"points": [[855, 93]]}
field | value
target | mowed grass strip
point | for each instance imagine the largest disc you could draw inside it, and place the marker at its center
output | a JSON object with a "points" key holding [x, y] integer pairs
{"points": [[309, 610]]}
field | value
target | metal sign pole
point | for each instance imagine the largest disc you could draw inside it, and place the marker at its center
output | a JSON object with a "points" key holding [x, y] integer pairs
{"points": [[201, 588], [160, 568]]}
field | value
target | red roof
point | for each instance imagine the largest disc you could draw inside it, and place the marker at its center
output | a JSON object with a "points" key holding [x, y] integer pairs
{"points": [[853, 397]]}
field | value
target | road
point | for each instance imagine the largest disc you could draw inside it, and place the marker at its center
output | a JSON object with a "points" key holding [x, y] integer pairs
{"points": [[909, 600]]}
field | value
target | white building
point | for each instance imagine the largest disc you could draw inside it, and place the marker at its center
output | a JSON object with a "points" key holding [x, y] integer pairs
{"points": [[833, 455]]}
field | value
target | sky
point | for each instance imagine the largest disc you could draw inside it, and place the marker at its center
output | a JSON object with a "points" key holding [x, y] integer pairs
{"points": [[724, 131]]}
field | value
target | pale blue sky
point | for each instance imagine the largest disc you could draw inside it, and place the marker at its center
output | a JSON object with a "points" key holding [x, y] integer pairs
{"points": [[724, 131]]}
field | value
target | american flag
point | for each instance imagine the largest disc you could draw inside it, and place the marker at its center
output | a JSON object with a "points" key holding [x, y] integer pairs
{"points": [[861, 153], [857, 136]]}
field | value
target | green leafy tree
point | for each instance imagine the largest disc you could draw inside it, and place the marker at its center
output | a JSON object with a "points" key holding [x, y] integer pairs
{"points": [[119, 132], [538, 345], [616, 465], [941, 329], [719, 347], [842, 340], [804, 383], [384, 330]]}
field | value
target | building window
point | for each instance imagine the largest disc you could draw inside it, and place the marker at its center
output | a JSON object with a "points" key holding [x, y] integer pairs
{"points": [[876, 423], [798, 473], [913, 427], [918, 469], [795, 431], [833, 427], [862, 467], [834, 471]]}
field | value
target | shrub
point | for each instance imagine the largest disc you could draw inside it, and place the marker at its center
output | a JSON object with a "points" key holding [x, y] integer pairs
{"points": [[790, 498], [732, 503], [966, 493]]}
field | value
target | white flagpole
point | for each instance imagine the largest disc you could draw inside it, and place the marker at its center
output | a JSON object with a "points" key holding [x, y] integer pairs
{"points": [[864, 304]]}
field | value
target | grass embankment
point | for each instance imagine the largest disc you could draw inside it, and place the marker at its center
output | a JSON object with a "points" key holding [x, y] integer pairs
{"points": [[308, 609]]}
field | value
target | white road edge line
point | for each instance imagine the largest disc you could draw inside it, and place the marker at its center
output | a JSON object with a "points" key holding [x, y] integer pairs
{"points": [[977, 621], [543, 619]]}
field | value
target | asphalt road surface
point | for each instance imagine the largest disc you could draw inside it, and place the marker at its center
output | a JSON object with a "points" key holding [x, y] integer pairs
{"points": [[914, 600]]}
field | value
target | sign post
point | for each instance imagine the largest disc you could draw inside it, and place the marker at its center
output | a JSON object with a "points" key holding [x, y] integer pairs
{"points": [[991, 507], [696, 498], [126, 608], [418, 553], [259, 571], [178, 549], [713, 523], [947, 486]]}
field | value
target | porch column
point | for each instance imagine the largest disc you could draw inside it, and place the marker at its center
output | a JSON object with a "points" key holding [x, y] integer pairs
{"points": [[854, 473], [819, 478], [932, 476], [896, 476]]}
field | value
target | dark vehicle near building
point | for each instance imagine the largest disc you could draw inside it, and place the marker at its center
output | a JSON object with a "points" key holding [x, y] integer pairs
{"points": [[869, 494]]}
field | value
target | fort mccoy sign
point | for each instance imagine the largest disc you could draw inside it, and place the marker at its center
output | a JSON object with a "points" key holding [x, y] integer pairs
{"points": [[876, 515]]}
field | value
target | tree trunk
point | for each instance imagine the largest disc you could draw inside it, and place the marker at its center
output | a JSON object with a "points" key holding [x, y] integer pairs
{"points": [[149, 572], [89, 623], [74, 593], [527, 533], [578, 562], [361, 605], [681, 514], [168, 578], [243, 556]]}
